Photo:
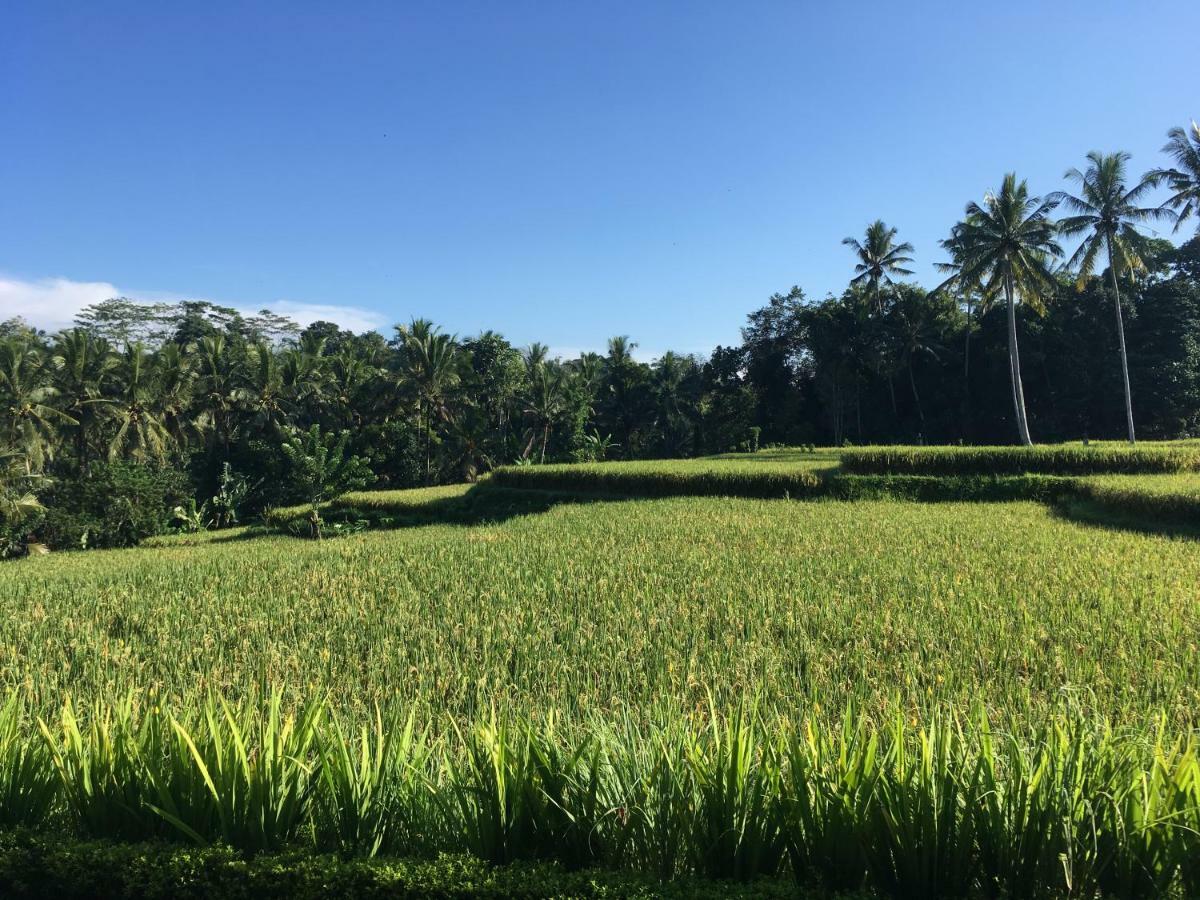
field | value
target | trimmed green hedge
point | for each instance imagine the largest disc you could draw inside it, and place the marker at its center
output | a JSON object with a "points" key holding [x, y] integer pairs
{"points": [[38, 866], [1046, 460], [630, 480]]}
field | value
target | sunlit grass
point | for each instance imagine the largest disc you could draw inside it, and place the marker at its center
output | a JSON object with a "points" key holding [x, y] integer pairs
{"points": [[633, 605]]}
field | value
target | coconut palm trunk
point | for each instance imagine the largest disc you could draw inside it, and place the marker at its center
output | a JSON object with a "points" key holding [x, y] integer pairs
{"points": [[912, 383], [1014, 362], [967, 429], [1112, 271]]}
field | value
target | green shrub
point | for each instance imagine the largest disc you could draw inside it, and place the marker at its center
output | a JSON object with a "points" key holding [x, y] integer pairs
{"points": [[113, 505]]}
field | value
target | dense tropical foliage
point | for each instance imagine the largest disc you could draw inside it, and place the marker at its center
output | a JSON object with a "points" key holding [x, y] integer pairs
{"points": [[1019, 341]]}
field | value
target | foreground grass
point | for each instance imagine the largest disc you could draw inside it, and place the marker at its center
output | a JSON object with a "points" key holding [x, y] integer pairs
{"points": [[641, 605], [948, 809]]}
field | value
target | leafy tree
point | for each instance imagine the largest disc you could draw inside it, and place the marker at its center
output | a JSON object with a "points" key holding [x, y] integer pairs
{"points": [[122, 321], [1105, 212], [320, 467]]}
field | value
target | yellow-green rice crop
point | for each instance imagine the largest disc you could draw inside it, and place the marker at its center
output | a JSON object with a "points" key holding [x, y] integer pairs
{"points": [[639, 605]]}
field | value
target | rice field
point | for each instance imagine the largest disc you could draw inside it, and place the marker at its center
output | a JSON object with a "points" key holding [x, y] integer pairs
{"points": [[633, 605], [916, 698]]}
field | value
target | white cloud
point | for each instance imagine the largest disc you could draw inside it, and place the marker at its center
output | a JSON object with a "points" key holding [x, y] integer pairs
{"points": [[51, 303]]}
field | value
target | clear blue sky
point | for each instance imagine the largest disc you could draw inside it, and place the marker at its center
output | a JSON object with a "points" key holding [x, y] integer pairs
{"points": [[558, 171]]}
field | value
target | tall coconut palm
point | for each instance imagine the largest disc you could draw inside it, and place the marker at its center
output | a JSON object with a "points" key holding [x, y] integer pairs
{"points": [[84, 366], [1105, 213], [1008, 244], [974, 296], [265, 396], [431, 361], [176, 376], [349, 375], [1183, 179], [544, 404], [918, 322], [879, 258], [29, 412], [219, 386], [141, 433]]}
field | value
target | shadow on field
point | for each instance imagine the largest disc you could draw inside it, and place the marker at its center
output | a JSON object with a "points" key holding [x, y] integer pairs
{"points": [[488, 504], [482, 504], [1097, 515]]}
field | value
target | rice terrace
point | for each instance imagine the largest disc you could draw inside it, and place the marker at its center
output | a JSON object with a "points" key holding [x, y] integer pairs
{"points": [[883, 586]]}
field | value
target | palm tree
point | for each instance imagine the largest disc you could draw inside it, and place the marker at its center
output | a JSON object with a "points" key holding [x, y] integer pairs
{"points": [[544, 404], [917, 329], [1184, 178], [141, 432], [348, 376], [431, 361], [305, 373], [536, 355], [265, 394], [879, 258], [1007, 244], [219, 386], [27, 404], [17, 501], [974, 296], [83, 369], [176, 377], [1106, 212]]}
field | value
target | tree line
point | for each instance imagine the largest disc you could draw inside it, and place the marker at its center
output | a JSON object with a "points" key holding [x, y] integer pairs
{"points": [[1019, 339]]}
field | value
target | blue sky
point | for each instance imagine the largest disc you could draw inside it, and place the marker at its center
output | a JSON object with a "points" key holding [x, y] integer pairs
{"points": [[559, 172]]}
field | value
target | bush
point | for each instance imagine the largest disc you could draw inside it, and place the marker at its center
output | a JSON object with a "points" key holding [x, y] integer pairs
{"points": [[113, 505]]}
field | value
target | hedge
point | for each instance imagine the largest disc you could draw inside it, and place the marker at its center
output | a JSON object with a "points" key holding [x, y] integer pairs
{"points": [[1045, 460], [629, 480]]}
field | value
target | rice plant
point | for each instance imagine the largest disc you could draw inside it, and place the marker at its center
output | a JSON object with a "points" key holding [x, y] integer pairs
{"points": [[931, 808]]}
